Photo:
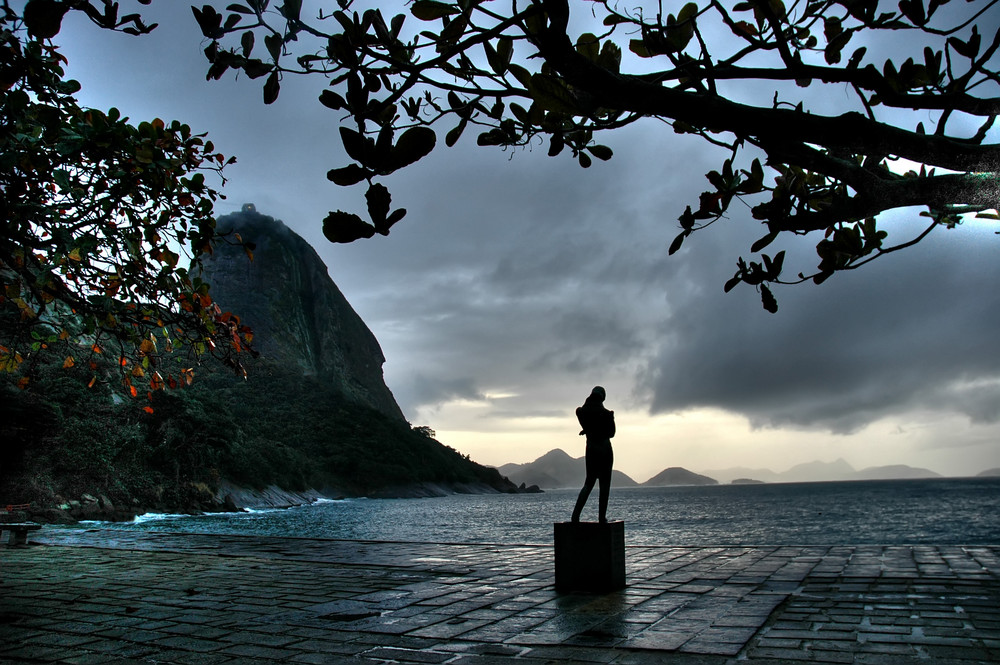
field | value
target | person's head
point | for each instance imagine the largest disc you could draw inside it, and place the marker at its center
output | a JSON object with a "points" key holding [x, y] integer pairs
{"points": [[598, 394]]}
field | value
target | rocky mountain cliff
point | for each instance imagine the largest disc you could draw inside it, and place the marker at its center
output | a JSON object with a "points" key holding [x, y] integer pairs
{"points": [[298, 314], [314, 417]]}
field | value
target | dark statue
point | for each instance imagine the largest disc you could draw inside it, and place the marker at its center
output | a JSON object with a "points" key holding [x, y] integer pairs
{"points": [[598, 425]]}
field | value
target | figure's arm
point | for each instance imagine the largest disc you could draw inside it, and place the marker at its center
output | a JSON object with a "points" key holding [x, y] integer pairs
{"points": [[611, 423]]}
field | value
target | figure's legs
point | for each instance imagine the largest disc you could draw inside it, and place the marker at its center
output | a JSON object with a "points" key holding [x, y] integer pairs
{"points": [[602, 506], [605, 480], [581, 500]]}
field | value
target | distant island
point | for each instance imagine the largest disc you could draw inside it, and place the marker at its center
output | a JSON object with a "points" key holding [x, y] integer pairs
{"points": [[676, 475], [557, 469], [818, 471]]}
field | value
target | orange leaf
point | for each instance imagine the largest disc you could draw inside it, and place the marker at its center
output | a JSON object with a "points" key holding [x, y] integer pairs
{"points": [[69, 362], [92, 382], [147, 409], [22, 383], [133, 391], [97, 349]]}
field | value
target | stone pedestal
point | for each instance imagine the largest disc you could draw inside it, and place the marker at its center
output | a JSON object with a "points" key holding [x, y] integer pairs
{"points": [[590, 556]]}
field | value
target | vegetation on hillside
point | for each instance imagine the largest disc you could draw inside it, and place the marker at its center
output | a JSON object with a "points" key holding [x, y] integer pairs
{"points": [[63, 439]]}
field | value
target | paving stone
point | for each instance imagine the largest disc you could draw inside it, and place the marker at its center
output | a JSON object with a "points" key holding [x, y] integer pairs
{"points": [[249, 600]]}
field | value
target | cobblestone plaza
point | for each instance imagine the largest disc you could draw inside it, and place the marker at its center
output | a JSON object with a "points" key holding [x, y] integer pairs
{"points": [[103, 596]]}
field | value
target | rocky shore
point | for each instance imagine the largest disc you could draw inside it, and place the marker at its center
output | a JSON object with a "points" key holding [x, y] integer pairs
{"points": [[228, 498]]}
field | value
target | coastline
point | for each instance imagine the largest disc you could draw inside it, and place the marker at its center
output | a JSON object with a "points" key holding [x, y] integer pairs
{"points": [[231, 498]]}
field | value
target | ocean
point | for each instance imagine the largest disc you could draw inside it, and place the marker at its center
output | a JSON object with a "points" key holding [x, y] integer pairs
{"points": [[963, 511]]}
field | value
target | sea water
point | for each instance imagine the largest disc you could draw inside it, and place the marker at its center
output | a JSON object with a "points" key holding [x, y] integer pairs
{"points": [[941, 511]]}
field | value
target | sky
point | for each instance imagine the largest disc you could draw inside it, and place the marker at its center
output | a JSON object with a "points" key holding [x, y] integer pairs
{"points": [[517, 282]]}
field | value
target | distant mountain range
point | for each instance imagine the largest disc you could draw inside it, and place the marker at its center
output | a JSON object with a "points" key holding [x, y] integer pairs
{"points": [[556, 469], [818, 471]]}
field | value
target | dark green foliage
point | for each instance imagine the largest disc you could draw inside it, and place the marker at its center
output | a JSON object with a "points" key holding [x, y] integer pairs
{"points": [[295, 431], [61, 439]]}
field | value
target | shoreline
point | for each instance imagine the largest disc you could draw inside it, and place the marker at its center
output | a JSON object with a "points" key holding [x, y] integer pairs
{"points": [[232, 498]]}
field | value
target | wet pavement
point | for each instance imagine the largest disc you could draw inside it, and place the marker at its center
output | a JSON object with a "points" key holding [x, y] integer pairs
{"points": [[105, 596]]}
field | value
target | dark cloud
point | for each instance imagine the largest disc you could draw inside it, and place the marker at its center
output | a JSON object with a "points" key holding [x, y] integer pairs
{"points": [[910, 331]]}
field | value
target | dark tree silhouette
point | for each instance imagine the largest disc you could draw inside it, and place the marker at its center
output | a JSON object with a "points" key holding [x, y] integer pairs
{"points": [[103, 222], [517, 74]]}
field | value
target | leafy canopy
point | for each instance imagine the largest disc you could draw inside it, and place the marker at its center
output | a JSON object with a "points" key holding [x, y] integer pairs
{"points": [[516, 73], [99, 219]]}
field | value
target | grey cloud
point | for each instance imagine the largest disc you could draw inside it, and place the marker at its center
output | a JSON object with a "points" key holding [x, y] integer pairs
{"points": [[906, 332], [429, 390], [505, 414]]}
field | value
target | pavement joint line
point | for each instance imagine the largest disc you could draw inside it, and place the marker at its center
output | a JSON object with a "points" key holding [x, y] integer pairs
{"points": [[86, 595]]}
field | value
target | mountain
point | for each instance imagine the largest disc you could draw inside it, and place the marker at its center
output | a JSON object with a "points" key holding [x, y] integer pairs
{"points": [[299, 316], [817, 471], [893, 472], [314, 415], [727, 476], [989, 473], [820, 471], [556, 469], [676, 475]]}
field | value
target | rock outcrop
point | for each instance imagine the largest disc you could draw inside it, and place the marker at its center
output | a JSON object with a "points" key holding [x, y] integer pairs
{"points": [[298, 314]]}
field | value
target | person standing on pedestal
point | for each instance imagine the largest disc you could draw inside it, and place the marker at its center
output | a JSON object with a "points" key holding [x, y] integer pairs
{"points": [[598, 425]]}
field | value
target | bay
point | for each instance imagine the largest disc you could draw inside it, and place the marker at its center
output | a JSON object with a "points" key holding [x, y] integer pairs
{"points": [[963, 511]]}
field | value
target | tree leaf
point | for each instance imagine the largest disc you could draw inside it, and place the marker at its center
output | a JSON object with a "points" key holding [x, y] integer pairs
{"points": [[763, 242], [349, 175], [209, 20], [452, 137], [602, 152], [358, 147], [247, 43], [378, 199], [332, 100], [271, 87], [676, 244], [344, 227], [430, 10], [767, 299], [414, 144]]}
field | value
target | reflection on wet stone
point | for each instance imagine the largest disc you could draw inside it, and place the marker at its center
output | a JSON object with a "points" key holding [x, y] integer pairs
{"points": [[332, 599]]}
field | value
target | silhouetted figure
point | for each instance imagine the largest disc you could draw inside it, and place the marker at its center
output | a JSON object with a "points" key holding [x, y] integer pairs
{"points": [[599, 426]]}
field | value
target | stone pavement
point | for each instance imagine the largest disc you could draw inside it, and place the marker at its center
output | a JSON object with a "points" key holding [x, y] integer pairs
{"points": [[104, 596]]}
